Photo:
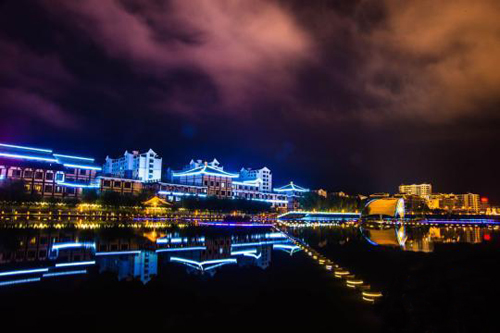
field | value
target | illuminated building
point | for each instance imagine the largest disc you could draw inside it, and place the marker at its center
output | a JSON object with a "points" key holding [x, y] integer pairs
{"points": [[175, 192], [324, 194], [142, 166], [249, 190], [120, 185], [470, 202], [293, 193], [421, 190], [47, 173], [210, 175], [264, 174]]}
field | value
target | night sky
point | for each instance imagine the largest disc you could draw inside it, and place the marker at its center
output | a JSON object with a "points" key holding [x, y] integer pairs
{"points": [[355, 96]]}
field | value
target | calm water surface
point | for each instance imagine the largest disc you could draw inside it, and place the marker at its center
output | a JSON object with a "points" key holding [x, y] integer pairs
{"points": [[432, 278]]}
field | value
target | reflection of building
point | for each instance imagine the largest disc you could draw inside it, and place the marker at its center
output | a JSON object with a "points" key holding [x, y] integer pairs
{"points": [[143, 166], [421, 190], [46, 173], [142, 265]]}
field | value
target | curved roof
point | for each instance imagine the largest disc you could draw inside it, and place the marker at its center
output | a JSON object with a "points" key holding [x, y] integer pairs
{"points": [[291, 188], [391, 207], [205, 170]]}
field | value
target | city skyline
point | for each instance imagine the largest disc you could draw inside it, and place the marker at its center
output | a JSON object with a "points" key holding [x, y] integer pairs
{"points": [[325, 92]]}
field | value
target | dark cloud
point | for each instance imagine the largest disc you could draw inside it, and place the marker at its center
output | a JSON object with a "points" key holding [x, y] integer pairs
{"points": [[351, 95]]}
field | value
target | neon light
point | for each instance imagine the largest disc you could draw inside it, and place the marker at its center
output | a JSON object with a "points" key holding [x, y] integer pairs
{"points": [[116, 253], [84, 271], [81, 263], [29, 157], [235, 224], [78, 185], [193, 248], [372, 294], [203, 171], [271, 200], [8, 283], [320, 213], [290, 188], [287, 247], [199, 265], [259, 243], [237, 253], [75, 157], [26, 271], [61, 246], [27, 148], [179, 194], [254, 183], [82, 166]]}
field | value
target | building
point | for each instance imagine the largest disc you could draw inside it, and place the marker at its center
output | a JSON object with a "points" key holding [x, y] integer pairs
{"points": [[120, 185], [422, 190], [47, 173], [293, 193], [250, 190], [264, 174], [210, 175], [145, 167], [470, 202], [324, 194]]}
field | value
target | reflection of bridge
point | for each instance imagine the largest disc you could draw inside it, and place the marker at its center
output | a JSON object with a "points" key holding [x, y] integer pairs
{"points": [[318, 216]]}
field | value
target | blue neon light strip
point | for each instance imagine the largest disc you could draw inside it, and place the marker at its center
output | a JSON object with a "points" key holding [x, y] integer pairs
{"points": [[75, 157], [27, 148], [180, 194], [285, 246], [179, 249], [68, 165], [80, 263], [320, 213], [199, 265], [259, 243], [235, 224], [203, 171], [71, 245], [8, 283], [291, 187], [25, 271], [84, 271], [116, 253], [78, 185], [35, 158]]}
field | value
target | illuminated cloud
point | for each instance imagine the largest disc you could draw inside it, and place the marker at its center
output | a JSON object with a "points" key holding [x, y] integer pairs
{"points": [[249, 49]]}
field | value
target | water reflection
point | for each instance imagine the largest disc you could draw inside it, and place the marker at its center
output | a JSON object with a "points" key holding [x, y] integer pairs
{"points": [[420, 238], [33, 255]]}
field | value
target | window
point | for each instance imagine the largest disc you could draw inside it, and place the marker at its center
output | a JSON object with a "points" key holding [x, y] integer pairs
{"points": [[106, 183], [49, 176], [83, 172], [59, 176], [127, 184], [49, 188], [16, 173], [28, 174], [117, 184], [38, 175], [70, 190]]}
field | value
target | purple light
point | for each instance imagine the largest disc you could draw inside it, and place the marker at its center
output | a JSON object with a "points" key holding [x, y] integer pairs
{"points": [[235, 224]]}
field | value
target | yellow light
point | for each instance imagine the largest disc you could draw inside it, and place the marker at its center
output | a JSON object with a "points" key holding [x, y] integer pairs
{"points": [[372, 294]]}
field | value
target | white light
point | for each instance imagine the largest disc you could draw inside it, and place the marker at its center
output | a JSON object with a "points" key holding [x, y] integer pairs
{"points": [[27, 148], [84, 271], [75, 157], [26, 271], [8, 283], [81, 166], [29, 157], [193, 248], [116, 253], [81, 263]]}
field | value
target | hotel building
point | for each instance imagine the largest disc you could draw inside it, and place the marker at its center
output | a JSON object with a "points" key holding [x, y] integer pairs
{"points": [[47, 173], [421, 190], [142, 166], [264, 174]]}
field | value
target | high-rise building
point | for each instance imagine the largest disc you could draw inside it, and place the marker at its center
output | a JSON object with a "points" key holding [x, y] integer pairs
{"points": [[422, 190], [469, 201], [263, 173], [142, 166]]}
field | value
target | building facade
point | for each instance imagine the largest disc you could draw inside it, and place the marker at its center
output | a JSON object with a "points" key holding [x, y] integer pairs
{"points": [[422, 190], [264, 174], [48, 174], [470, 202], [211, 175], [142, 166]]}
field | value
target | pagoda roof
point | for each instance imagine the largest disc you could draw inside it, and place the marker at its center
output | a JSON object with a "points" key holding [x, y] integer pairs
{"points": [[205, 170], [291, 188]]}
